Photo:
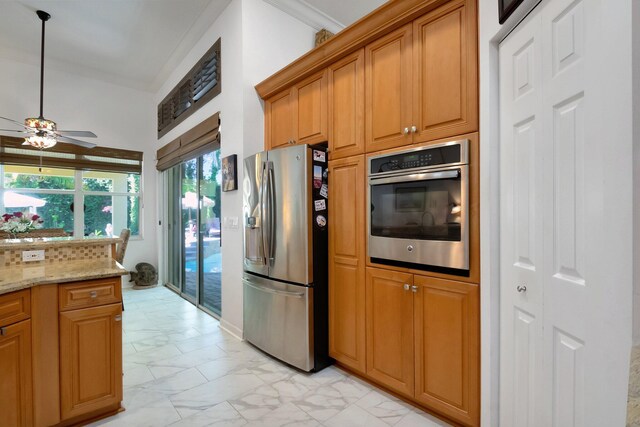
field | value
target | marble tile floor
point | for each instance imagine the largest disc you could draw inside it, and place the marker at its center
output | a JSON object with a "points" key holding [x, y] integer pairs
{"points": [[181, 369]]}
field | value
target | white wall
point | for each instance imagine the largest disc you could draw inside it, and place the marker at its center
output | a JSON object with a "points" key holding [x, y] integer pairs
{"points": [[635, 16], [257, 40], [121, 117]]}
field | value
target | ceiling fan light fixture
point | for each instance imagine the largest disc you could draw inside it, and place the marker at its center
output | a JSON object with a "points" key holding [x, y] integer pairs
{"points": [[41, 140], [44, 136], [40, 123]]}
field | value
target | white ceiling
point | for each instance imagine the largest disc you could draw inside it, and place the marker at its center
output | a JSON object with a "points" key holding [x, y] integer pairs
{"points": [[135, 42]]}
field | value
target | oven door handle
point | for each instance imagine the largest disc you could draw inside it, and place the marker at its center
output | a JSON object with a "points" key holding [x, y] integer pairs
{"points": [[424, 176]]}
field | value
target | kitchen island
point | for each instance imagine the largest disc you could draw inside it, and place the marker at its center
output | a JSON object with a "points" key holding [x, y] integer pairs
{"points": [[60, 330]]}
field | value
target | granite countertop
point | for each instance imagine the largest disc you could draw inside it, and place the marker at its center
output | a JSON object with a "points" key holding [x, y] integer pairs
{"points": [[633, 401], [19, 277], [52, 242]]}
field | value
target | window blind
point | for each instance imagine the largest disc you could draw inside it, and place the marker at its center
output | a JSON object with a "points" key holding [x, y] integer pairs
{"points": [[198, 86], [70, 156], [203, 138]]}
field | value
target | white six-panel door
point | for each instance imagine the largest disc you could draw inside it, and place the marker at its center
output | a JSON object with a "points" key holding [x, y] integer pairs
{"points": [[554, 224]]}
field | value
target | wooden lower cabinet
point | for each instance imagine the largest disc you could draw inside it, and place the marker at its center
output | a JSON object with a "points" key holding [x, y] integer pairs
{"points": [[447, 347], [389, 319], [90, 359], [347, 262], [422, 340], [16, 408]]}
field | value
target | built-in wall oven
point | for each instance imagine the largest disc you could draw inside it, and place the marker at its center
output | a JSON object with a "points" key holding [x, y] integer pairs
{"points": [[418, 203]]}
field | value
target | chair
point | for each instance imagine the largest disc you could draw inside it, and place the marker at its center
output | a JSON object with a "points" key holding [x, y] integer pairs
{"points": [[121, 248]]}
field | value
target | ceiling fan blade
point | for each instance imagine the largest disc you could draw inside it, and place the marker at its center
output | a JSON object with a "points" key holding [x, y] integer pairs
{"points": [[80, 133], [13, 121], [74, 141], [23, 132]]}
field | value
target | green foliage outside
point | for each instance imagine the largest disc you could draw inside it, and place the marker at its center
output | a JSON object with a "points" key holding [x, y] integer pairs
{"points": [[57, 212]]}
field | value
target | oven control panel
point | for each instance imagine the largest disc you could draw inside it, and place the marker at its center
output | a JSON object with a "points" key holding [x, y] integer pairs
{"points": [[437, 155]]}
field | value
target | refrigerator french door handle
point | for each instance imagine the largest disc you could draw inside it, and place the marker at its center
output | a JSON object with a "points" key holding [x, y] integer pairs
{"points": [[272, 211], [263, 211]]}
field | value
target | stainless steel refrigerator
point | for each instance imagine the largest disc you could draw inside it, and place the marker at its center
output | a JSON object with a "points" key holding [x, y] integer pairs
{"points": [[285, 254]]}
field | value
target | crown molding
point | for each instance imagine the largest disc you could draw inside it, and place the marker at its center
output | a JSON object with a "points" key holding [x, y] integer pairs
{"points": [[308, 14]]}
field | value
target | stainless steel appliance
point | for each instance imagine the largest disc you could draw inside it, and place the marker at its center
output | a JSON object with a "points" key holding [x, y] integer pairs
{"points": [[285, 254], [418, 203]]}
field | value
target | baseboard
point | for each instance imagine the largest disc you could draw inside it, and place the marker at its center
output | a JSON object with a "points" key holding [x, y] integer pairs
{"points": [[231, 328]]}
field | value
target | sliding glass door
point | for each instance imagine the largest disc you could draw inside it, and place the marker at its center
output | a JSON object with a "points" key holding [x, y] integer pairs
{"points": [[194, 252]]}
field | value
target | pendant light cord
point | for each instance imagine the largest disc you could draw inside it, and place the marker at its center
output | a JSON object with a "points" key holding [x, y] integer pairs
{"points": [[42, 69]]}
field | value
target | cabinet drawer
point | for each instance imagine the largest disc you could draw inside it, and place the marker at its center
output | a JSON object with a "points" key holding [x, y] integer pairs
{"points": [[90, 294], [15, 307]]}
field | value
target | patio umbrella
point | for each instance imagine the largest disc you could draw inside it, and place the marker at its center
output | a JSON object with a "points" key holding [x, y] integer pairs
{"points": [[16, 200], [190, 201]]}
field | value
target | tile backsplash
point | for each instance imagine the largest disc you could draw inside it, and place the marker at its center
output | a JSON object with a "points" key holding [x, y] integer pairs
{"points": [[13, 257]]}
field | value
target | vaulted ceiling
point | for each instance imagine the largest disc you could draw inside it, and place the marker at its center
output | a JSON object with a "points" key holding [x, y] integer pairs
{"points": [[134, 42]]}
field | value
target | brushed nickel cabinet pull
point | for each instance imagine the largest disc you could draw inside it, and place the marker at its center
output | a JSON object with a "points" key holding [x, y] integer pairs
{"points": [[118, 317], [93, 294]]}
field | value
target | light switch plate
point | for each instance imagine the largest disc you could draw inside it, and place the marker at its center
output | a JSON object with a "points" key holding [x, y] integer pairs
{"points": [[28, 256]]}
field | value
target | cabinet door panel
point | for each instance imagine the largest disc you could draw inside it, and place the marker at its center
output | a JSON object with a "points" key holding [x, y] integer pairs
{"points": [[278, 120], [389, 319], [346, 106], [90, 359], [346, 262], [388, 90], [447, 347], [445, 88], [15, 375], [310, 110]]}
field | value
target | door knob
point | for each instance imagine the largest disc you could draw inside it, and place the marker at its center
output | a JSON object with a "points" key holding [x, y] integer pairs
{"points": [[521, 288]]}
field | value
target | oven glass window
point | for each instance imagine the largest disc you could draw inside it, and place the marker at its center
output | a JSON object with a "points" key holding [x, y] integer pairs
{"points": [[426, 210]]}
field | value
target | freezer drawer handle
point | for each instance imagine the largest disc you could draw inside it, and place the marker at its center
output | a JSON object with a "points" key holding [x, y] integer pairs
{"points": [[274, 291]]}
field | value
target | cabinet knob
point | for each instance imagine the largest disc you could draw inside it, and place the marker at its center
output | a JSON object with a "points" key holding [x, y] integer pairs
{"points": [[414, 129], [405, 131], [406, 286], [414, 289], [93, 294], [118, 317], [410, 248], [521, 288]]}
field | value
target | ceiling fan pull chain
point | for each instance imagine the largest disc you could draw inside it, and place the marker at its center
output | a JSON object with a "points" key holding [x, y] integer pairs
{"points": [[40, 168]]}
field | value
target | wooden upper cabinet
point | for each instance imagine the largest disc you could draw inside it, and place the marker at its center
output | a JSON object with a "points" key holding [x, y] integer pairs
{"points": [[445, 72], [310, 110], [347, 254], [298, 115], [16, 407], [346, 106], [388, 90], [90, 359], [278, 120], [390, 329], [447, 352]]}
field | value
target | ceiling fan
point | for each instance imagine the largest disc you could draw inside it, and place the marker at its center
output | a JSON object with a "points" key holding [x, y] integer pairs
{"points": [[38, 131]]}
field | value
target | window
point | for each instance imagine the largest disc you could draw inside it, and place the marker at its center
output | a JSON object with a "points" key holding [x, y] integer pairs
{"points": [[111, 200], [201, 84]]}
